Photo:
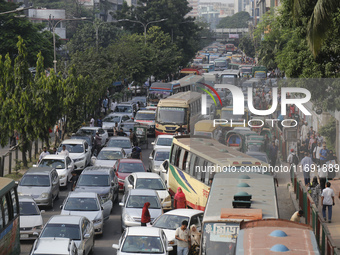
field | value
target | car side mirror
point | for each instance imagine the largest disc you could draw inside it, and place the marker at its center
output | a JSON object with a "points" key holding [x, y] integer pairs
{"points": [[153, 143], [151, 157], [87, 236], [130, 186], [164, 171], [121, 204], [115, 246], [42, 211]]}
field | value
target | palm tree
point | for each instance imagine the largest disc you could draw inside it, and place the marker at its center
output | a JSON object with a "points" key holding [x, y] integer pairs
{"points": [[319, 22]]}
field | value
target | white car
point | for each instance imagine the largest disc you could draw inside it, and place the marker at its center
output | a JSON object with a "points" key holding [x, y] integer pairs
{"points": [[54, 245], [79, 152], [140, 180], [136, 240], [162, 141], [171, 220], [87, 204], [163, 172], [110, 121], [62, 163], [92, 131], [77, 228], [31, 221], [108, 156], [156, 158]]}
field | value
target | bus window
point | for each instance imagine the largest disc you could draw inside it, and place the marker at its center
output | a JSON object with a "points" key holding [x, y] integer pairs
{"points": [[199, 173], [6, 212], [193, 163], [185, 160], [211, 173], [181, 158], [173, 154], [177, 156], [15, 203], [206, 175]]}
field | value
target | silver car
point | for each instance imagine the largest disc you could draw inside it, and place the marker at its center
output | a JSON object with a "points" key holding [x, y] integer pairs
{"points": [[108, 156], [77, 228], [156, 158], [110, 121], [120, 142], [54, 246], [42, 183], [132, 206]]}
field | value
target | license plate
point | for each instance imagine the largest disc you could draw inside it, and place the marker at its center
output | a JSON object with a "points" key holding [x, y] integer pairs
{"points": [[24, 236]]}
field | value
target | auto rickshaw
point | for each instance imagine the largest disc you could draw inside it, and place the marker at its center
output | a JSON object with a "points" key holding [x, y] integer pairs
{"points": [[206, 128]]}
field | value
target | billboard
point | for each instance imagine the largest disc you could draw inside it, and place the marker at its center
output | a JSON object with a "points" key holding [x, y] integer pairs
{"points": [[236, 36]]}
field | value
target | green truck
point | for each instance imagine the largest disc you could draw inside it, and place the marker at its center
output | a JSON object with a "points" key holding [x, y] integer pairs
{"points": [[259, 72]]}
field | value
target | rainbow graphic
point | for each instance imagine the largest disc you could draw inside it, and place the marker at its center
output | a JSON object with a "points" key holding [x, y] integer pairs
{"points": [[204, 97]]}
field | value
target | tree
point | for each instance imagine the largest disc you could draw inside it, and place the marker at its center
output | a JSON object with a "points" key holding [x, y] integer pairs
{"points": [[35, 40], [238, 20], [247, 46]]}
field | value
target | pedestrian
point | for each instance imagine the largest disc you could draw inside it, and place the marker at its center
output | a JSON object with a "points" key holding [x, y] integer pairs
{"points": [[195, 239], [133, 137], [145, 214], [323, 173], [74, 180], [316, 153], [306, 163], [312, 144], [273, 154], [64, 151], [297, 216], [304, 132], [292, 158], [54, 150], [121, 132], [92, 122], [99, 122], [303, 149], [324, 154], [138, 149], [276, 141], [43, 154], [97, 144], [291, 111], [105, 104], [315, 191], [115, 129], [179, 200], [113, 106], [319, 138], [135, 154], [182, 237], [327, 201]]}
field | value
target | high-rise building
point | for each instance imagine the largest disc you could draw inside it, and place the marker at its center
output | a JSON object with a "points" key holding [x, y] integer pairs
{"points": [[194, 5]]}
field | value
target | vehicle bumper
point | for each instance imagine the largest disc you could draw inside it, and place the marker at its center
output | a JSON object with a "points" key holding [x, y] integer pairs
{"points": [[98, 228], [42, 201], [28, 234], [131, 224], [63, 182]]}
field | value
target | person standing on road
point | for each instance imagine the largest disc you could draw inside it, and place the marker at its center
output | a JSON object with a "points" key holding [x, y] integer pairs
{"points": [[97, 143], [304, 132], [324, 154], [179, 200], [74, 180], [43, 154], [327, 201], [92, 122], [113, 106], [105, 104], [145, 215], [121, 132], [302, 150], [183, 238], [64, 151], [315, 191], [306, 163], [297, 216], [195, 239], [99, 122], [273, 154], [292, 158], [319, 138], [133, 137], [316, 153]]}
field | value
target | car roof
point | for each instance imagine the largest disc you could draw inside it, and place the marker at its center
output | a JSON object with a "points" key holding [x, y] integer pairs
{"points": [[163, 149], [39, 170], [184, 212], [83, 194], [53, 245], [130, 160], [96, 170], [125, 103], [26, 198], [147, 111], [65, 219], [119, 138], [143, 231], [55, 156], [143, 192], [146, 175], [111, 149], [73, 141], [90, 128], [165, 136]]}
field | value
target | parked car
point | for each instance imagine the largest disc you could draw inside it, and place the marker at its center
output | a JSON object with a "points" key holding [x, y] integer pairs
{"points": [[42, 183], [108, 156], [120, 142], [125, 167], [54, 246], [92, 131], [147, 117], [87, 204], [132, 206], [110, 121], [79, 152], [126, 108], [77, 228], [156, 158], [149, 181], [162, 141], [62, 163], [31, 221], [148, 240], [101, 180], [171, 220]]}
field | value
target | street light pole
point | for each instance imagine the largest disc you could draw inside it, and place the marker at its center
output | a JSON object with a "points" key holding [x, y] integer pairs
{"points": [[17, 10], [54, 49]]}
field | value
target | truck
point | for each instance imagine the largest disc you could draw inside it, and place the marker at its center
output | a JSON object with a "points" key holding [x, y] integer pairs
{"points": [[259, 70]]}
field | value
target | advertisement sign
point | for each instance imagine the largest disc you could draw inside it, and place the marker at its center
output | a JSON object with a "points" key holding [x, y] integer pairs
{"points": [[235, 36]]}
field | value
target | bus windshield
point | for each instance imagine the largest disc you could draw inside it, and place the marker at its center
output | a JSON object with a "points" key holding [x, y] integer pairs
{"points": [[172, 115], [219, 238], [220, 63]]}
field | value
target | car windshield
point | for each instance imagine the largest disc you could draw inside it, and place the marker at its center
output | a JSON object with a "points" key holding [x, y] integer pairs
{"points": [[162, 155], [28, 208], [70, 231], [81, 204], [155, 184], [139, 201], [93, 180], [171, 115], [72, 148], [120, 143], [84, 131], [131, 167], [112, 119], [110, 155], [35, 180], [126, 127], [167, 221], [54, 163], [145, 116], [86, 138], [143, 244], [164, 141], [123, 108]]}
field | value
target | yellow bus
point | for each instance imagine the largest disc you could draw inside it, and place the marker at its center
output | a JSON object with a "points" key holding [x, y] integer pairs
{"points": [[183, 108], [194, 160], [206, 128]]}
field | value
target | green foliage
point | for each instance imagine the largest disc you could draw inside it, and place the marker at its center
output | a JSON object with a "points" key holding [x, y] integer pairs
{"points": [[247, 46], [238, 20], [329, 132]]}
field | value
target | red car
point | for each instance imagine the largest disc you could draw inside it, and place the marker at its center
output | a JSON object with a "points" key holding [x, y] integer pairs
{"points": [[125, 167]]}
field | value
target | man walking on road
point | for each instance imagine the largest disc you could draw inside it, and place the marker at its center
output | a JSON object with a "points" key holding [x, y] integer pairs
{"points": [[182, 237], [327, 200], [64, 151], [316, 153], [273, 154], [306, 163], [304, 132], [323, 155], [292, 158], [43, 154]]}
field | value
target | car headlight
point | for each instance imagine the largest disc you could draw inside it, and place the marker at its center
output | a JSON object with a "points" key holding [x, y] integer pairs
{"points": [[79, 159], [62, 176], [167, 199], [127, 217], [38, 227], [44, 195], [97, 221]]}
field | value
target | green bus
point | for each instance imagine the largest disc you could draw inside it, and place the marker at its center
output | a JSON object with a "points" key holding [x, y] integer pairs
{"points": [[9, 218]]}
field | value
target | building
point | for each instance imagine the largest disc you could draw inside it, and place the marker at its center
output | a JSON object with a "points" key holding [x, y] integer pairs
{"points": [[50, 17], [194, 5], [131, 2], [207, 13]]}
